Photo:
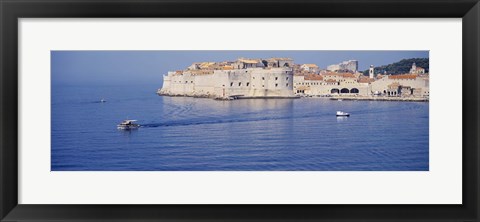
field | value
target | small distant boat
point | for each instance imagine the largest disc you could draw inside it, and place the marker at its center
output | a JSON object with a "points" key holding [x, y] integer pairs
{"points": [[340, 113], [128, 125], [103, 100], [339, 100]]}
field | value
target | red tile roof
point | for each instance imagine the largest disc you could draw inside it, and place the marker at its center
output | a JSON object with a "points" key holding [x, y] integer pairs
{"points": [[365, 80], [313, 77], [403, 76]]}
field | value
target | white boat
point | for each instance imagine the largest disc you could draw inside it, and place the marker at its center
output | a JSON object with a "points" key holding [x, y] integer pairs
{"points": [[339, 100], [103, 100], [128, 125], [340, 113]]}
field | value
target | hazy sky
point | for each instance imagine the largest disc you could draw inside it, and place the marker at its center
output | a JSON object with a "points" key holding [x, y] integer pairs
{"points": [[141, 67]]}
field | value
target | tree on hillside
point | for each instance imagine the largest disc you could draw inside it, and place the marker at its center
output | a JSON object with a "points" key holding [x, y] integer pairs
{"points": [[401, 67]]}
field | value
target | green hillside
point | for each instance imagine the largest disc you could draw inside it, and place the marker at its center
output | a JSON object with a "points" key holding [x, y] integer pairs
{"points": [[401, 67]]}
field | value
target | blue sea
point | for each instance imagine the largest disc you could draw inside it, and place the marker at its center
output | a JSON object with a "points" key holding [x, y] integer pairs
{"points": [[200, 134]]}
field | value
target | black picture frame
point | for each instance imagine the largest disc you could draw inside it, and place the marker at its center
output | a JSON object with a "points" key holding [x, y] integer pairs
{"points": [[12, 10]]}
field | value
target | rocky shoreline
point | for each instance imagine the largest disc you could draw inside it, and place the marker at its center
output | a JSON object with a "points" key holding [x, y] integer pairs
{"points": [[356, 98], [227, 98]]}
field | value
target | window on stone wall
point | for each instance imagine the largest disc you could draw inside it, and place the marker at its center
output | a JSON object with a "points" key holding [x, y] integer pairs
{"points": [[287, 78], [240, 84], [263, 86], [231, 84], [248, 83], [286, 85], [276, 78], [276, 84]]}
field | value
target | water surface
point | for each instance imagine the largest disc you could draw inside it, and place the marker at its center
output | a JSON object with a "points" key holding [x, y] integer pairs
{"points": [[198, 134]]}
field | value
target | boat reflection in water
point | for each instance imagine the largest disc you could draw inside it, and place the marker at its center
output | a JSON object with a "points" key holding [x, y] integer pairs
{"points": [[342, 118]]}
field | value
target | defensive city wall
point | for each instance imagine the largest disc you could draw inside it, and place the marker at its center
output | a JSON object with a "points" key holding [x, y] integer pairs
{"points": [[281, 78], [243, 78]]}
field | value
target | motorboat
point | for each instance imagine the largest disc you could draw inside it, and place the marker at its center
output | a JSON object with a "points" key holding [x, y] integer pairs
{"points": [[103, 100], [340, 113], [128, 125]]}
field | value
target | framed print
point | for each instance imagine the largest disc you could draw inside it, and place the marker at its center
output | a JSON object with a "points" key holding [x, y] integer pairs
{"points": [[225, 110]]}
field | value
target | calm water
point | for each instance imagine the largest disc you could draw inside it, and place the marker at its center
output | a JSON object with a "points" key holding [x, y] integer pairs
{"points": [[195, 134]]}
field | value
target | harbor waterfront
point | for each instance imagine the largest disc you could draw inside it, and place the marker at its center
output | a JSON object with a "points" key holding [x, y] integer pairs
{"points": [[282, 78], [202, 134], [200, 110], [382, 98]]}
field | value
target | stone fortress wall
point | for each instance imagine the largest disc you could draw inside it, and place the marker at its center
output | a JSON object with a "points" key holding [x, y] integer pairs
{"points": [[280, 77], [242, 78]]}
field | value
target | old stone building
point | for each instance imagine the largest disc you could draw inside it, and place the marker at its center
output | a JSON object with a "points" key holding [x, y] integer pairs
{"points": [[330, 84], [417, 70], [350, 65], [280, 77], [348, 84], [242, 78], [413, 81]]}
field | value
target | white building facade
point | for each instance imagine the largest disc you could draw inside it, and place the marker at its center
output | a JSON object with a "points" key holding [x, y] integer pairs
{"points": [[347, 84], [350, 65]]}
